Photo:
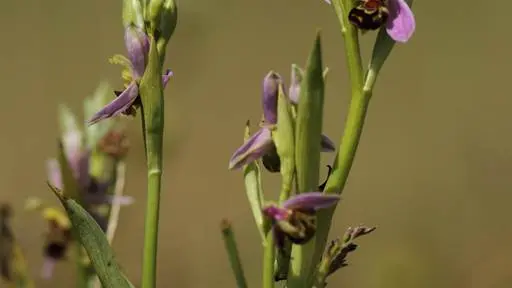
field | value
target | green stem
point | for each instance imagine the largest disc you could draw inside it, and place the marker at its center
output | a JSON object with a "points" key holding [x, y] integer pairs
{"points": [[151, 228], [268, 261], [353, 126], [232, 250], [323, 269], [151, 92]]}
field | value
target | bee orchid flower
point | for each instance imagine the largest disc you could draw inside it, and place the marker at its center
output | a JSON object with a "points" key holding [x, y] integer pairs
{"points": [[397, 15], [92, 190], [260, 144], [295, 218], [126, 101]]}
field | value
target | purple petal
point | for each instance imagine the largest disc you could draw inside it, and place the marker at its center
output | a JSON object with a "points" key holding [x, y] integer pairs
{"points": [[269, 97], [252, 149], [311, 200], [54, 175], [275, 212], [118, 105], [167, 75], [48, 268], [326, 144], [401, 23], [137, 44], [296, 80]]}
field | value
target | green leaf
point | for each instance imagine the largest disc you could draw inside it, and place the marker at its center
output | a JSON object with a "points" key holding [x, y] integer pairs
{"points": [[68, 179], [307, 153], [381, 51], [69, 128], [100, 164], [284, 139], [95, 243], [92, 104], [309, 122], [70, 142], [253, 189]]}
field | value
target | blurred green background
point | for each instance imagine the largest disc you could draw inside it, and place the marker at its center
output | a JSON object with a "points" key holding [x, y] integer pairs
{"points": [[432, 172]]}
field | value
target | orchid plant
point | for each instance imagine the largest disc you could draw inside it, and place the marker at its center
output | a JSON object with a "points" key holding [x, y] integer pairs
{"points": [[289, 141], [87, 175]]}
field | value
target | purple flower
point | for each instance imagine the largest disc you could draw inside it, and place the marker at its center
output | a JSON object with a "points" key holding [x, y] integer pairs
{"points": [[92, 191], [295, 218], [260, 144], [126, 101], [400, 24]]}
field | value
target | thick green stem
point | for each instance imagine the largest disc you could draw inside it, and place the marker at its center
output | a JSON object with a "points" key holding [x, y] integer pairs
{"points": [[151, 92], [151, 228], [353, 125]]}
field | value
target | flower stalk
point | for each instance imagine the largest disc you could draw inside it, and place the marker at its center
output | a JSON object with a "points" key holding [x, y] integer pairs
{"points": [[353, 125], [151, 91], [362, 85]]}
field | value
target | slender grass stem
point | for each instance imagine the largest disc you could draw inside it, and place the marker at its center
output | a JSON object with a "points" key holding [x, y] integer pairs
{"points": [[232, 251]]}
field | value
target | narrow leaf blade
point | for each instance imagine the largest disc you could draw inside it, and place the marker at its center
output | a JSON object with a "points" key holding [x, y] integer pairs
{"points": [[307, 153], [70, 185], [92, 104], [309, 122], [254, 191], [95, 243]]}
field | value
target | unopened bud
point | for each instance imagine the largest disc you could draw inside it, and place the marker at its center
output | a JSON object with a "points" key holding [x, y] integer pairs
{"points": [[163, 17], [133, 14]]}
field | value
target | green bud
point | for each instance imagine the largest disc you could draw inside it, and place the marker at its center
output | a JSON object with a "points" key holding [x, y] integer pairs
{"points": [[133, 13], [162, 16], [168, 19], [284, 139]]}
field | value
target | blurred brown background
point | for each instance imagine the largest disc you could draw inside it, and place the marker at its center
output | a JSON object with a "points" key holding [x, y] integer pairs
{"points": [[433, 169]]}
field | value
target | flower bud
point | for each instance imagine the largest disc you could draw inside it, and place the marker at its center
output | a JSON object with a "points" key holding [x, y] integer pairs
{"points": [[137, 45], [162, 16], [133, 14]]}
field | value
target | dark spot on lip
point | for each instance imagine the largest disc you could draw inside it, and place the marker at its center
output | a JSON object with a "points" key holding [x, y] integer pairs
{"points": [[271, 160], [56, 250]]}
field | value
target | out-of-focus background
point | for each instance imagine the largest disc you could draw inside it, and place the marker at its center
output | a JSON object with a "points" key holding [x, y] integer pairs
{"points": [[432, 172]]}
